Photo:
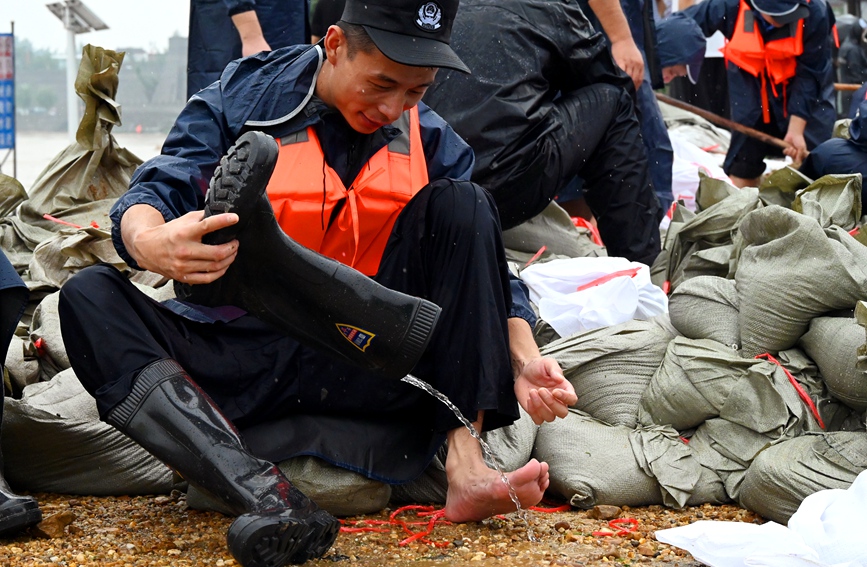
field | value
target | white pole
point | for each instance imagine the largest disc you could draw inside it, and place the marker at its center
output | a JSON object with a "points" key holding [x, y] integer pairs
{"points": [[71, 73]]}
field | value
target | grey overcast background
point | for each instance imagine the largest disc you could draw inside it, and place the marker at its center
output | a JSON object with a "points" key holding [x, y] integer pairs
{"points": [[132, 23]]}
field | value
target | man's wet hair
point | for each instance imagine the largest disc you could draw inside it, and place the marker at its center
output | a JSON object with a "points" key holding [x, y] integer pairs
{"points": [[357, 39]]}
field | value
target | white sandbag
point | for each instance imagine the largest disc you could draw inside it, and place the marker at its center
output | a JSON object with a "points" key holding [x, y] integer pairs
{"points": [[579, 294], [53, 441]]}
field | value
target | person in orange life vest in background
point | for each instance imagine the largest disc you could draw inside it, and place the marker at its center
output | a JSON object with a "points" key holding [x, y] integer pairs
{"points": [[778, 58], [367, 175]]}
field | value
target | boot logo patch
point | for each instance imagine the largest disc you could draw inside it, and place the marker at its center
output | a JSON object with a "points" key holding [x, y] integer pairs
{"points": [[358, 337]]}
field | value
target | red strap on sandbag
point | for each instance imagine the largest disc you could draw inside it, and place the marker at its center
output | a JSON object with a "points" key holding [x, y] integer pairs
{"points": [[608, 277], [801, 392]]}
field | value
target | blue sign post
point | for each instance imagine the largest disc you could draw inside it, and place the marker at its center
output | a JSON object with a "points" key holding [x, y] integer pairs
{"points": [[7, 93]]}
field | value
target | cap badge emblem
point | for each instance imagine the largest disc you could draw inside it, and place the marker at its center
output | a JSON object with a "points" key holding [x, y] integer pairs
{"points": [[429, 17]]}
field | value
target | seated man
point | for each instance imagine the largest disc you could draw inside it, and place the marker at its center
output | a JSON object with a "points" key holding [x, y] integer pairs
{"points": [[366, 175], [839, 155], [546, 102]]}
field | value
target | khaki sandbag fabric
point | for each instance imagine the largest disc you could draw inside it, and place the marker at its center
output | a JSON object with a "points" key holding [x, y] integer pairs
{"points": [[659, 271], [780, 187], [512, 446], [12, 194], [706, 307], [701, 379], [22, 365], [45, 331], [776, 483], [82, 182], [18, 241], [53, 441], [693, 252], [790, 271], [833, 343], [59, 258], [593, 463], [610, 367], [339, 491], [832, 200], [692, 383], [553, 230]]}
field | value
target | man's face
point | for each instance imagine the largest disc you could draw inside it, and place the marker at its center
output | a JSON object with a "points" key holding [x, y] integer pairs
{"points": [[369, 89], [669, 73]]}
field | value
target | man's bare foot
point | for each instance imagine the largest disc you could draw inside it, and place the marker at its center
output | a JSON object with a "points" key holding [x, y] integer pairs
{"points": [[480, 493]]}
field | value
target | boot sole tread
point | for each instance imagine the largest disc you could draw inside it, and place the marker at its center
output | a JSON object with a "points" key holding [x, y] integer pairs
{"points": [[265, 540]]}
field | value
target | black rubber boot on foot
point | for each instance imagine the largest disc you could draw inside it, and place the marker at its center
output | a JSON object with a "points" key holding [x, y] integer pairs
{"points": [[173, 419], [16, 512], [310, 297]]}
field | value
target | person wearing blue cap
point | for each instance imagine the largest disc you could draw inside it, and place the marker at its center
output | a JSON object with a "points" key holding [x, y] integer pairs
{"points": [[680, 45], [325, 240], [780, 76]]}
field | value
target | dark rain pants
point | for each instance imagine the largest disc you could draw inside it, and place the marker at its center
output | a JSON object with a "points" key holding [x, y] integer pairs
{"points": [[289, 399], [591, 132]]}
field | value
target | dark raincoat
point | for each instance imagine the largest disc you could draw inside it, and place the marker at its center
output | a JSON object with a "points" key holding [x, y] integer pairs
{"points": [[214, 41], [839, 155]]}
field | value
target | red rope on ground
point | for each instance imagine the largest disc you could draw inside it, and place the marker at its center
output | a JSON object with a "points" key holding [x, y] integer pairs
{"points": [[621, 526], [433, 517], [801, 392]]}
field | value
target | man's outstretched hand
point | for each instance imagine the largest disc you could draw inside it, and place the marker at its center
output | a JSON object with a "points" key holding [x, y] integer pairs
{"points": [[543, 391]]}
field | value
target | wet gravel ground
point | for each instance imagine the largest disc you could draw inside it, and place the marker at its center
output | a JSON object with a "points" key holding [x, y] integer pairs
{"points": [[163, 531]]}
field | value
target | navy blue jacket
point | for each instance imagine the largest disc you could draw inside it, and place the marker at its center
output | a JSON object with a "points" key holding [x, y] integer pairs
{"points": [[214, 41], [810, 93], [273, 92], [842, 156]]}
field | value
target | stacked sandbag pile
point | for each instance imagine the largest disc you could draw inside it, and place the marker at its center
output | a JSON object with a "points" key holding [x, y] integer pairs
{"points": [[702, 244]]}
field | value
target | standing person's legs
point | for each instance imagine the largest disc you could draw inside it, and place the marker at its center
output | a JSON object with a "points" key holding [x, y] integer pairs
{"points": [[745, 161], [660, 154], [126, 350]]}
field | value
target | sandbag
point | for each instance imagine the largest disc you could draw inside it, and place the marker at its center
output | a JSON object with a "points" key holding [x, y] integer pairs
{"points": [[692, 383], [611, 367], [781, 186], [53, 441], [57, 259], [45, 332], [339, 491], [832, 200], [711, 228], [833, 343], [578, 294], [83, 181], [21, 365], [775, 483], [706, 307], [790, 271], [593, 463], [553, 230]]}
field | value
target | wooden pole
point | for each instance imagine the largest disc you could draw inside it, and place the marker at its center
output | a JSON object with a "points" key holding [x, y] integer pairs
{"points": [[724, 122], [847, 86]]}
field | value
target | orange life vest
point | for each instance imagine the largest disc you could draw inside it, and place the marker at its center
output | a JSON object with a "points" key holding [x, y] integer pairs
{"points": [[774, 60], [304, 193]]}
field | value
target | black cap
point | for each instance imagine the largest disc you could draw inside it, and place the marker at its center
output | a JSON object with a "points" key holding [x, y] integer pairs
{"points": [[411, 32]]}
